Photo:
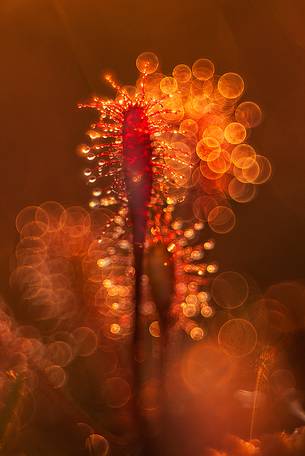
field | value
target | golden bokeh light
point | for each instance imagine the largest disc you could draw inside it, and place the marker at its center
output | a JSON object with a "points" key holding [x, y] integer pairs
{"points": [[188, 127], [243, 156], [208, 147], [231, 85], [154, 329], [116, 392], [147, 62], [219, 164], [265, 170], [251, 172], [29, 214], [235, 133], [168, 85], [182, 73], [203, 69], [197, 333], [86, 340], [240, 191], [221, 219], [249, 114], [237, 337], [56, 376], [215, 132], [230, 290]]}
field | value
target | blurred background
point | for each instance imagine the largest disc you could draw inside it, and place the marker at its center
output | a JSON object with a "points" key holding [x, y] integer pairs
{"points": [[53, 53]]}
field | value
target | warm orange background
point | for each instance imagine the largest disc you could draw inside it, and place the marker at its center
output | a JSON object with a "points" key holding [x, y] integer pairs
{"points": [[52, 53]]}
